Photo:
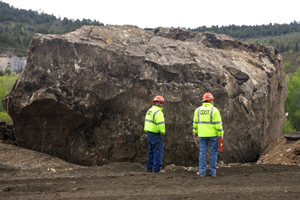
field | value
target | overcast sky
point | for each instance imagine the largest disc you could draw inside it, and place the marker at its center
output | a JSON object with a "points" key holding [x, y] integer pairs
{"points": [[169, 13]]}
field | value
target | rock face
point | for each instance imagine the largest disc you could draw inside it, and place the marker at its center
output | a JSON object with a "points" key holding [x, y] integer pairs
{"points": [[83, 96]]}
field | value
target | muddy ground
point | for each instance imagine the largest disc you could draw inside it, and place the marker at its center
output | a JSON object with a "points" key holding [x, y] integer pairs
{"points": [[26, 174]]}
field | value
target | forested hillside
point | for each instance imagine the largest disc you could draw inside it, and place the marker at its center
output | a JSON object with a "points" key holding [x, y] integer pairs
{"points": [[17, 26], [244, 32]]}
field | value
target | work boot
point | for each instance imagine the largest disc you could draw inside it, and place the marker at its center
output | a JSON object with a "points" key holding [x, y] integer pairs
{"points": [[160, 171], [213, 175], [148, 170], [201, 175]]}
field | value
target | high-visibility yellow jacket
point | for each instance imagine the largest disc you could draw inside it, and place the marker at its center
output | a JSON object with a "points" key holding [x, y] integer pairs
{"points": [[207, 121], [154, 120]]}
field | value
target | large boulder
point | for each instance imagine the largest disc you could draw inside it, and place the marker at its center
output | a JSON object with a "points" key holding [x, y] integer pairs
{"points": [[83, 96]]}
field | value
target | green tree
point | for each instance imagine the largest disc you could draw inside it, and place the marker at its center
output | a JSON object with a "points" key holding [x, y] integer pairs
{"points": [[292, 103], [8, 69], [288, 127]]}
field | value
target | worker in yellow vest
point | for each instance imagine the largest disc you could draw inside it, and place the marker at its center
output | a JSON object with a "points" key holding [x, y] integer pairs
{"points": [[155, 129], [208, 128]]}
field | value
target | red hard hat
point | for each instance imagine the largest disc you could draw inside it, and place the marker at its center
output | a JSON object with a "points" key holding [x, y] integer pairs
{"points": [[207, 96], [158, 98]]}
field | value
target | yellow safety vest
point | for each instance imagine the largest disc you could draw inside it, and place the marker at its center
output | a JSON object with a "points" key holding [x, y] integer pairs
{"points": [[207, 121], [154, 120]]}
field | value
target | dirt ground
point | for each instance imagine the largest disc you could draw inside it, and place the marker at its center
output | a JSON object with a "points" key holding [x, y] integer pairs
{"points": [[26, 174]]}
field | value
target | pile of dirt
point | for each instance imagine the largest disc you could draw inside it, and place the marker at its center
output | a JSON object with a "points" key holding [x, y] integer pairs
{"points": [[24, 159], [285, 151]]}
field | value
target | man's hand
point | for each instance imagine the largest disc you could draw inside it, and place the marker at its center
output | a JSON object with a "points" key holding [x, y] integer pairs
{"points": [[195, 135]]}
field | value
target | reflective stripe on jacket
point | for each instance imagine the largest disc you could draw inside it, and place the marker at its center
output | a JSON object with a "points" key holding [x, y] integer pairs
{"points": [[207, 121], [154, 120]]}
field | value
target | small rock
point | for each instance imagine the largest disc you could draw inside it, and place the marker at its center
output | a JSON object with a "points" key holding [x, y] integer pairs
{"points": [[51, 170], [246, 165], [170, 167]]}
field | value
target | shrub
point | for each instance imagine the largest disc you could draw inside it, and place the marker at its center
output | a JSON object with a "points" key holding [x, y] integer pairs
{"points": [[4, 117], [288, 127], [6, 83]]}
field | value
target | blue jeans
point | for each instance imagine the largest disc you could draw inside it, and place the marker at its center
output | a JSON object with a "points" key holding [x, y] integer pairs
{"points": [[155, 154], [213, 143]]}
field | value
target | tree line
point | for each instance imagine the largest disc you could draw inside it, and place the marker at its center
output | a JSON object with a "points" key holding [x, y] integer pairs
{"points": [[244, 32], [17, 27]]}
